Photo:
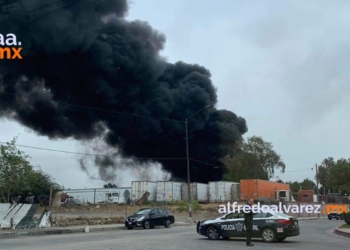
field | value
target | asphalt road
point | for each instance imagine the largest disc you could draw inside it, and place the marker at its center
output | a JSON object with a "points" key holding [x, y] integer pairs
{"points": [[315, 235]]}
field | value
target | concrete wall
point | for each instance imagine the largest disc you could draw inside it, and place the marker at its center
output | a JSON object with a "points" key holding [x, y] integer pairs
{"points": [[17, 215]]}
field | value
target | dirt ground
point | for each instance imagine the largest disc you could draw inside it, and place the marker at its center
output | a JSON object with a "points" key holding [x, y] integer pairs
{"points": [[113, 213]]}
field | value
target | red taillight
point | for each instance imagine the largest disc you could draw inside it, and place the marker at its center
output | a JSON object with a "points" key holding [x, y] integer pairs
{"points": [[285, 222]]}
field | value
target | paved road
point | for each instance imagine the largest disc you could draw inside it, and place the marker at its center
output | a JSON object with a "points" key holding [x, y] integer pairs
{"points": [[315, 235]]}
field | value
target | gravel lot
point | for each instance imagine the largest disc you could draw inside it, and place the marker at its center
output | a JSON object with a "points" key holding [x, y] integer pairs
{"points": [[109, 214]]}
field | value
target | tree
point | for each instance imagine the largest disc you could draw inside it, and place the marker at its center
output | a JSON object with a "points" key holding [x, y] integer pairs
{"points": [[339, 176], [110, 185], [16, 173], [294, 186], [42, 183], [307, 184], [18, 177], [323, 170], [255, 159]]}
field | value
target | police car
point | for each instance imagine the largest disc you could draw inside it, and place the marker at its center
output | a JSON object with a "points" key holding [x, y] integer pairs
{"points": [[269, 226]]}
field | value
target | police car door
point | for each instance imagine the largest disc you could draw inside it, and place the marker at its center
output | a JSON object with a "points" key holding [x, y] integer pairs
{"points": [[239, 226], [233, 227], [259, 221], [227, 225]]}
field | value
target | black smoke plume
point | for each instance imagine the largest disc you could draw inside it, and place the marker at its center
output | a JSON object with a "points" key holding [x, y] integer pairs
{"points": [[73, 60]]}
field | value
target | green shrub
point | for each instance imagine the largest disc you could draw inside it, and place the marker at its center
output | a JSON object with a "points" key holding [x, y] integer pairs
{"points": [[347, 218], [183, 206]]}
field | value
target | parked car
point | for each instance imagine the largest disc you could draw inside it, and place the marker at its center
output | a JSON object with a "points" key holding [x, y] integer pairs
{"points": [[268, 226], [71, 202], [335, 214], [150, 218]]}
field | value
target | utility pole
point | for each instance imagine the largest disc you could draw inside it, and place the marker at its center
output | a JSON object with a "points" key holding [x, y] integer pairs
{"points": [[188, 175], [317, 183], [50, 198], [188, 165], [318, 198]]}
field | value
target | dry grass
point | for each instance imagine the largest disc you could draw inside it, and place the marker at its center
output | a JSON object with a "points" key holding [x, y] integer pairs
{"points": [[103, 214], [64, 222]]}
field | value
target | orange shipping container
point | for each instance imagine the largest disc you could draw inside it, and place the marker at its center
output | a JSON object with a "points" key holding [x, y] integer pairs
{"points": [[260, 190]]}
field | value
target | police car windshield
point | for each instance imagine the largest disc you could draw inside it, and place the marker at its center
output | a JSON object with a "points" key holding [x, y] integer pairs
{"points": [[143, 211]]}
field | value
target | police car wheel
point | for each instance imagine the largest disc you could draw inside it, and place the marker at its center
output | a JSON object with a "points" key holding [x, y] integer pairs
{"points": [[168, 224], [268, 235], [213, 233], [146, 225]]}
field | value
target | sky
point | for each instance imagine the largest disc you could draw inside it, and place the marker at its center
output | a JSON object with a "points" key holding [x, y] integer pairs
{"points": [[281, 65]]}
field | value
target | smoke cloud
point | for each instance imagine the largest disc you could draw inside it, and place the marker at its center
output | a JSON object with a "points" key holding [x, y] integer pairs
{"points": [[113, 168], [81, 76]]}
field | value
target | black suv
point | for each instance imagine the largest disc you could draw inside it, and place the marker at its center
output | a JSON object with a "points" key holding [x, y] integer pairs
{"points": [[335, 214]]}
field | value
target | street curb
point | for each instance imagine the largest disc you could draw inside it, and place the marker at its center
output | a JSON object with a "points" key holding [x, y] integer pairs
{"points": [[305, 218], [54, 231], [38, 232], [342, 233]]}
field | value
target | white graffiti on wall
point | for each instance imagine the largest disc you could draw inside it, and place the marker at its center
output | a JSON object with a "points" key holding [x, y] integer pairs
{"points": [[12, 214]]}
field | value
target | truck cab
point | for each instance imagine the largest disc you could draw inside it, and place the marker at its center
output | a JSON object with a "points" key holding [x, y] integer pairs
{"points": [[114, 198], [285, 195]]}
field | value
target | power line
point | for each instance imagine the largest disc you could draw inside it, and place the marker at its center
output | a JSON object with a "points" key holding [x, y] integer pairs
{"points": [[121, 113], [298, 159], [158, 118], [110, 111], [298, 170], [284, 156], [215, 166], [138, 158]]}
